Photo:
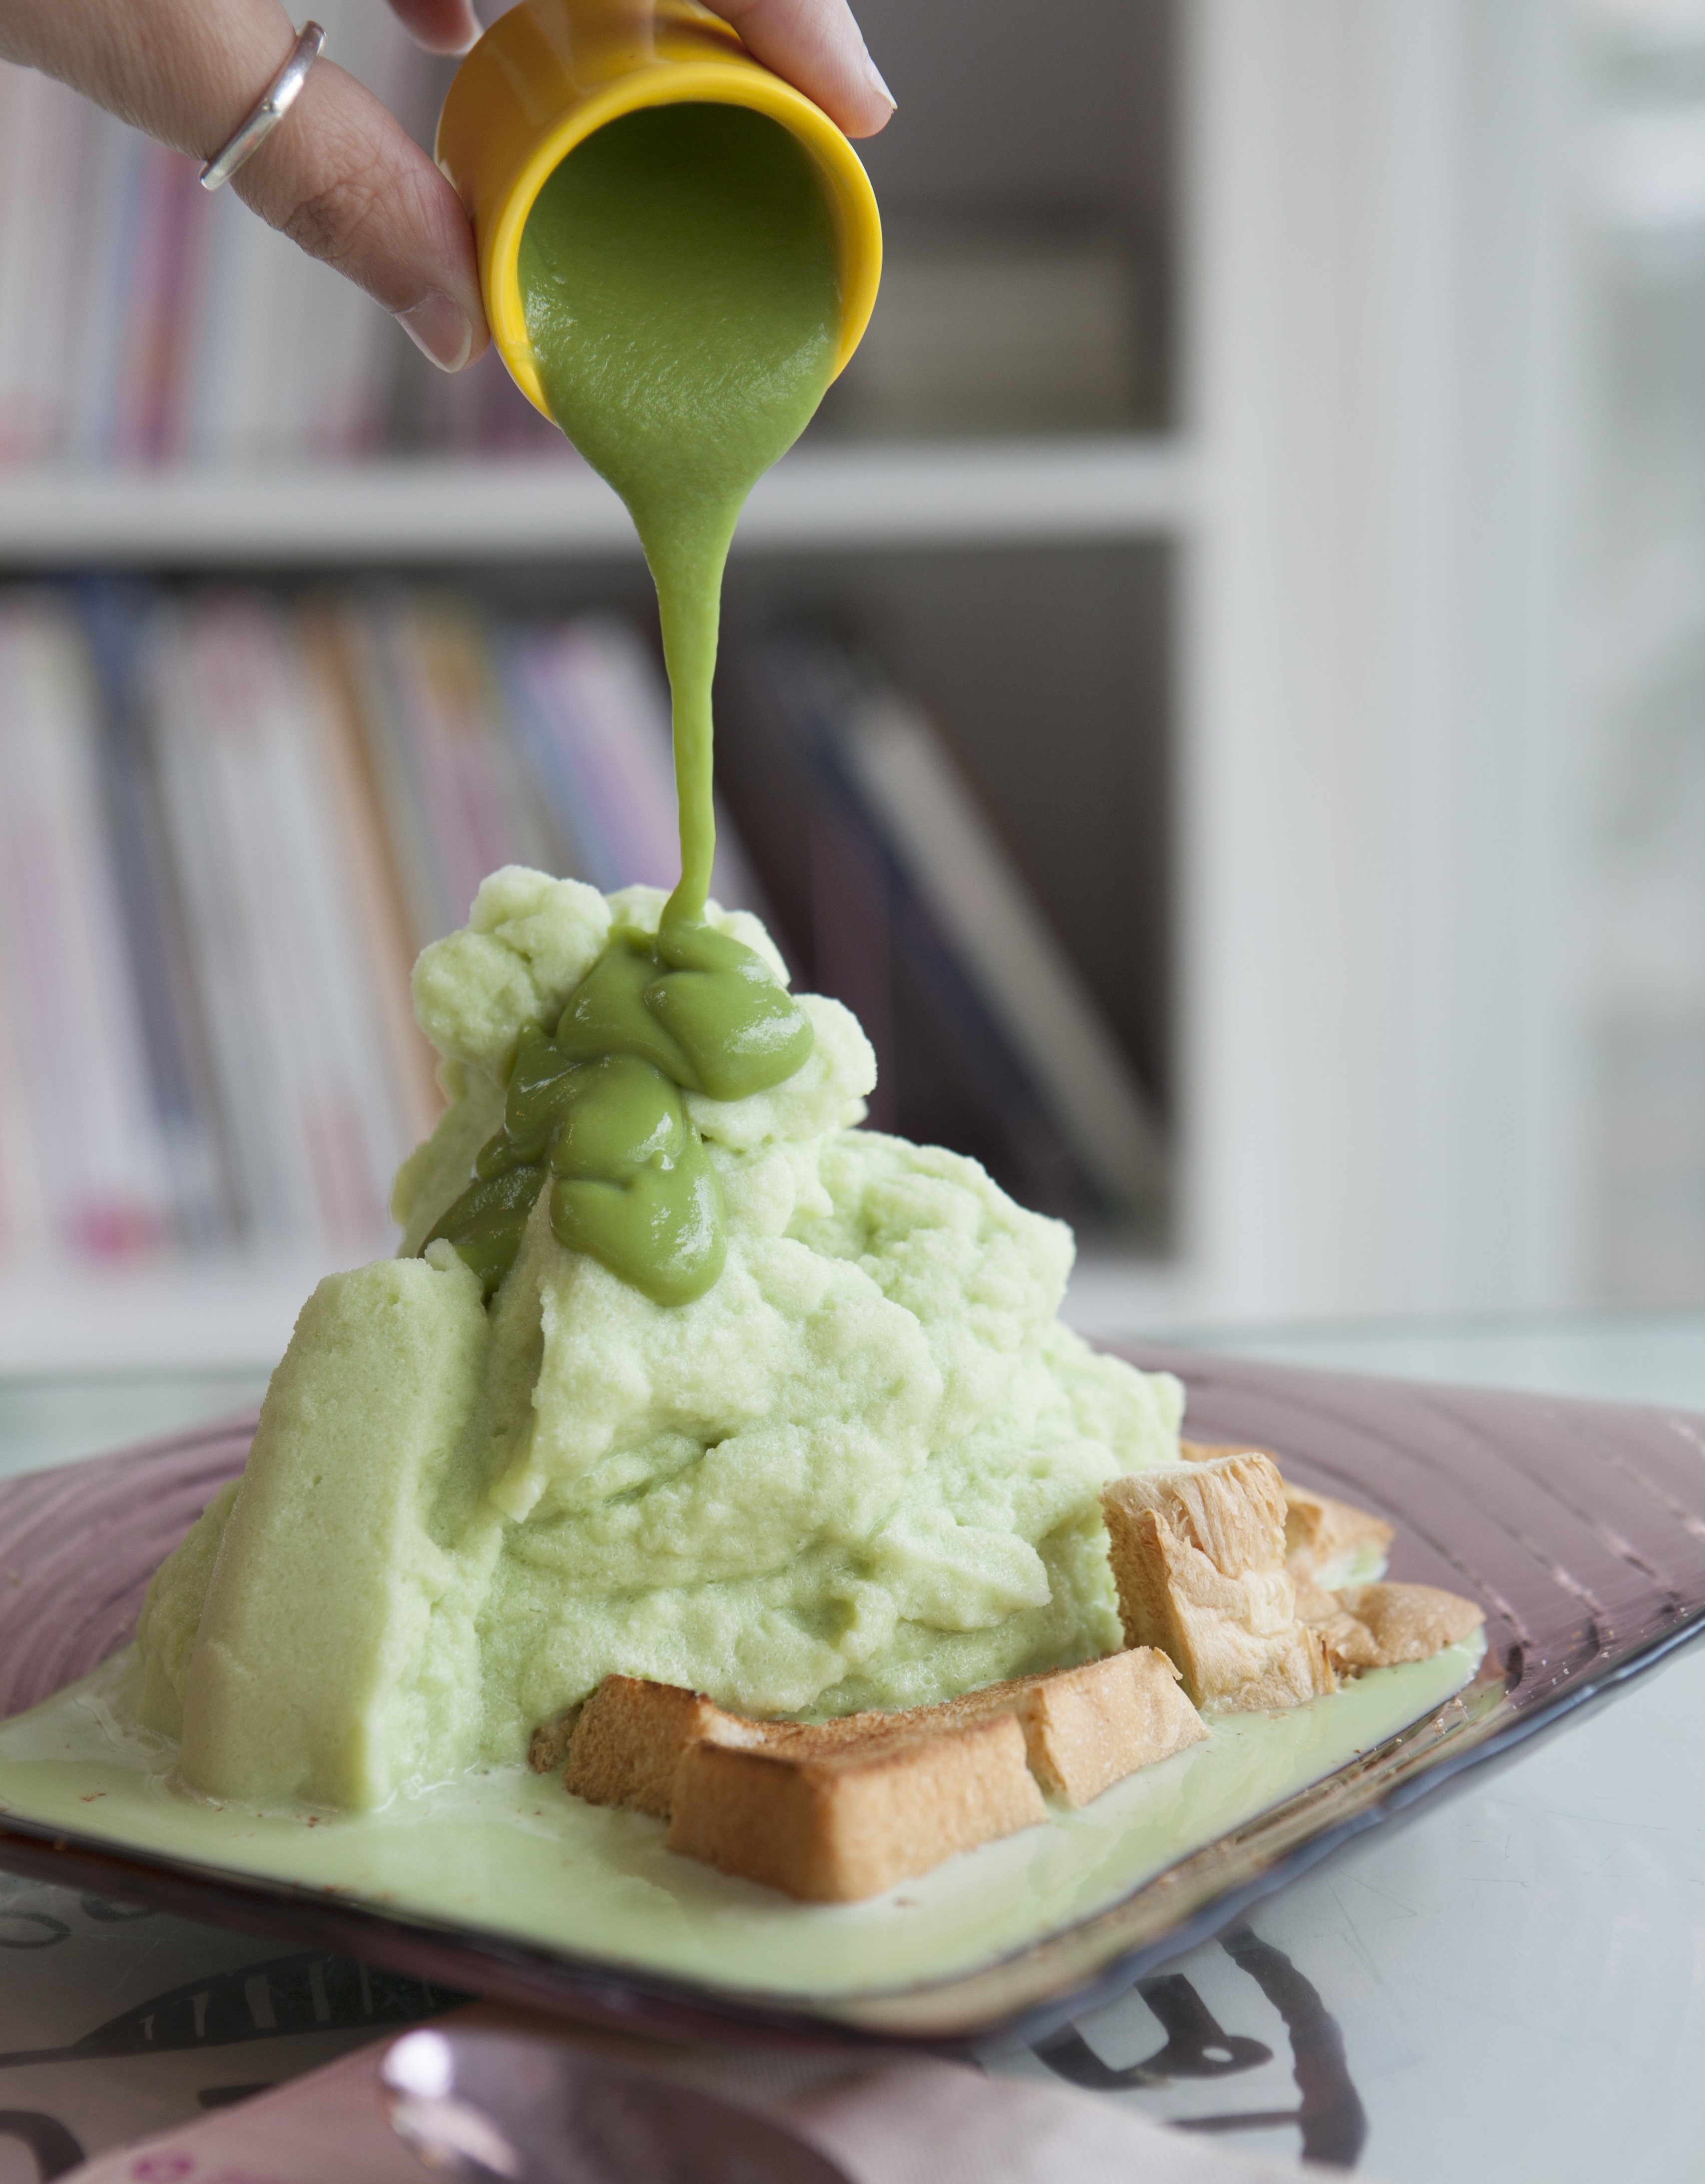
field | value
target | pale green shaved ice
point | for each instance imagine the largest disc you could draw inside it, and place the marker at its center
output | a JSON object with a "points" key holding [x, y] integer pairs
{"points": [[337, 1653], [528, 942], [171, 1614], [862, 1470], [436, 1173]]}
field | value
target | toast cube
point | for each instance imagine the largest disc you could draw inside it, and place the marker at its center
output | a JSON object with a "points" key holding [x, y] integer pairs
{"points": [[1229, 1507], [1375, 1626], [1085, 1729], [631, 1737], [547, 1748], [841, 1823], [1197, 1551], [1332, 1542]]}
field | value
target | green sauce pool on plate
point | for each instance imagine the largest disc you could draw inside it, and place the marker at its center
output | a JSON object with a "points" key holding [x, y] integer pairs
{"points": [[507, 1852]]}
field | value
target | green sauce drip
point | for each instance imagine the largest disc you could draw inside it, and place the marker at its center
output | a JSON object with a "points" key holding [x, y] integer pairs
{"points": [[681, 281], [595, 1110], [682, 299]]}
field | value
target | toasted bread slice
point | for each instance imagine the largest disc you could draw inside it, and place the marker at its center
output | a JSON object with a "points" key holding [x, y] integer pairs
{"points": [[1332, 1542], [835, 1825], [1197, 1551], [547, 1748], [1085, 1729], [1375, 1626], [1229, 1505], [631, 1737]]}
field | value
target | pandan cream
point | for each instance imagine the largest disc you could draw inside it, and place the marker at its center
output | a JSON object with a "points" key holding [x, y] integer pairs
{"points": [[860, 1469]]}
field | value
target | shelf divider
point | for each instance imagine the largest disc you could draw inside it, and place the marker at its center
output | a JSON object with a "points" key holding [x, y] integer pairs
{"points": [[857, 496]]}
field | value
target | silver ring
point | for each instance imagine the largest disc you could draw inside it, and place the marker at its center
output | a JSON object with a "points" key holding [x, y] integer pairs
{"points": [[268, 111]]}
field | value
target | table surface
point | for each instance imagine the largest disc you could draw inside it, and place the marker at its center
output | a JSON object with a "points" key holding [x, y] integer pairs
{"points": [[1510, 1985]]}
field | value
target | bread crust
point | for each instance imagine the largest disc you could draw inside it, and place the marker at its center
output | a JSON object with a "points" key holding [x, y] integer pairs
{"points": [[833, 1825], [1323, 1536], [1085, 1729], [1197, 1551], [826, 1809], [631, 1737], [1375, 1626]]}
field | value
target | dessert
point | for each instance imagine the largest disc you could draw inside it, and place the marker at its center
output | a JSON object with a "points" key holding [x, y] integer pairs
{"points": [[727, 1459], [864, 1468], [860, 1470]]}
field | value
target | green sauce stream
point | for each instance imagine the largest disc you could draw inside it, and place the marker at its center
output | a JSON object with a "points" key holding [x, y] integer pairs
{"points": [[680, 277]]}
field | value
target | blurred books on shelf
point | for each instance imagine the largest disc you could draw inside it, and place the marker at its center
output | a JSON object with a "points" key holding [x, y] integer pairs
{"points": [[985, 327], [229, 822], [82, 1152], [145, 321], [893, 886], [227, 826]]}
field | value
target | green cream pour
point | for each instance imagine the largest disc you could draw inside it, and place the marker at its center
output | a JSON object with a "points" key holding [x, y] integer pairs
{"points": [[680, 278], [679, 273], [505, 1851], [595, 1110]]}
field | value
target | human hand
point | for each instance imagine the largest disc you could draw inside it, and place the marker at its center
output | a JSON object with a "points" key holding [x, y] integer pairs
{"points": [[339, 174]]}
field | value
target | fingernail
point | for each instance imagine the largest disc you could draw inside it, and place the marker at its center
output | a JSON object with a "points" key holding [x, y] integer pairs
{"points": [[438, 327], [873, 76]]}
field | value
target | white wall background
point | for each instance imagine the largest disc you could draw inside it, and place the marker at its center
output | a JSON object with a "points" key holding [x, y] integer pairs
{"points": [[1379, 960]]}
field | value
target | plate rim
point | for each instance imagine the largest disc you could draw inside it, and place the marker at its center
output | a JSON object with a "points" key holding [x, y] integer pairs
{"points": [[608, 1991]]}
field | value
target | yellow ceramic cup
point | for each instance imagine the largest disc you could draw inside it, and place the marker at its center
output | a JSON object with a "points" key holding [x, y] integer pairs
{"points": [[549, 72]]}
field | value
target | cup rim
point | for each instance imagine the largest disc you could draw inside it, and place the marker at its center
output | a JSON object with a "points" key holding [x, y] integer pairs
{"points": [[738, 80]]}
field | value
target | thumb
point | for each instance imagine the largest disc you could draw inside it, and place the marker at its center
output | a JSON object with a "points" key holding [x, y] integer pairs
{"points": [[343, 178], [817, 45]]}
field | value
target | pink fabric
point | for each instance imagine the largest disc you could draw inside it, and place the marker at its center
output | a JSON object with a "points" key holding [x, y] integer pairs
{"points": [[906, 2121]]}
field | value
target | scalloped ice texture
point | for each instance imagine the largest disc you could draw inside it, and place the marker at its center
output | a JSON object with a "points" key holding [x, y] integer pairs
{"points": [[862, 1470]]}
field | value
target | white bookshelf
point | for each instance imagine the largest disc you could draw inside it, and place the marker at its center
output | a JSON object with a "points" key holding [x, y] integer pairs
{"points": [[234, 1315], [1375, 607], [1002, 492], [222, 1314]]}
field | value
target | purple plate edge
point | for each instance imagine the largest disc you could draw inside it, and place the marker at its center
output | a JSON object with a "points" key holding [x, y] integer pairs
{"points": [[599, 1992]]}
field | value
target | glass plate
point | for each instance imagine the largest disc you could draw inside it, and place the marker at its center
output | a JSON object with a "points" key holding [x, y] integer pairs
{"points": [[1580, 1527]]}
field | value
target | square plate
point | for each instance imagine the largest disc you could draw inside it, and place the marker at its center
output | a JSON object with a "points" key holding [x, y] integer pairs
{"points": [[1580, 1527]]}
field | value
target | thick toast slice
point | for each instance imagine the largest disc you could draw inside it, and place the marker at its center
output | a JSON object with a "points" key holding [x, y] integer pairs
{"points": [[1197, 1551], [834, 1803], [1225, 1567], [1327, 1540], [1085, 1729], [832, 1823], [630, 1738], [1375, 1626]]}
